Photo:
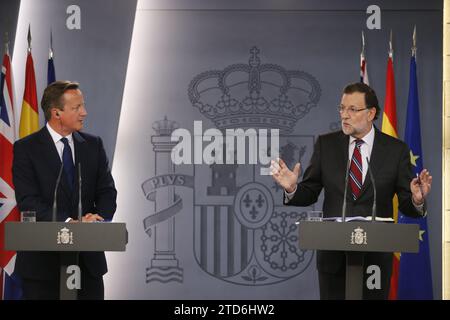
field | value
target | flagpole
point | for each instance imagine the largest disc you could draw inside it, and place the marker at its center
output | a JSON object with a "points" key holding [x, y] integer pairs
{"points": [[6, 43], [29, 38], [50, 50], [363, 47], [391, 50]]}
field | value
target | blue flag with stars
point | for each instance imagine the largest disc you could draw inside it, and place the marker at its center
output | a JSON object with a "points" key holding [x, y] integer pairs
{"points": [[415, 282]]}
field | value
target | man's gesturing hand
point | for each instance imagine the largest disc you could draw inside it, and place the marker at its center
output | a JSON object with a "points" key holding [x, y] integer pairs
{"points": [[286, 178]]}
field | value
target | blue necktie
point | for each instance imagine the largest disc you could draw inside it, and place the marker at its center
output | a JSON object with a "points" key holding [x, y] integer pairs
{"points": [[67, 159]]}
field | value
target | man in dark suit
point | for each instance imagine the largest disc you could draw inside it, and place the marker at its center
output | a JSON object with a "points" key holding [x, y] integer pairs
{"points": [[37, 162], [357, 143]]}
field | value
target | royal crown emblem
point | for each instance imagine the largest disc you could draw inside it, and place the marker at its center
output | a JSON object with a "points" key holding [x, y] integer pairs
{"points": [[359, 236], [65, 236], [254, 95]]}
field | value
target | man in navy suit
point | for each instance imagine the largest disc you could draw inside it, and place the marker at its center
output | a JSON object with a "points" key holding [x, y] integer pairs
{"points": [[37, 162], [389, 160]]}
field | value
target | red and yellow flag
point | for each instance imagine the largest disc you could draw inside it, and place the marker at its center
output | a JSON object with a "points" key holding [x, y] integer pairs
{"points": [[29, 117], [389, 126]]}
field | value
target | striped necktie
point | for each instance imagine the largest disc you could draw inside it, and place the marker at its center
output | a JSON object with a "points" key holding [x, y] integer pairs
{"points": [[356, 170]]}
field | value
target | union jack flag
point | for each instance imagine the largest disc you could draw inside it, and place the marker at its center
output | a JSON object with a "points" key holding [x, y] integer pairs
{"points": [[9, 288]]}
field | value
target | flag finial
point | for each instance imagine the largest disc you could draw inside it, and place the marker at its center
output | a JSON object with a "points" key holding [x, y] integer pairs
{"points": [[6, 43], [391, 51], [414, 47], [50, 50], [363, 48], [29, 38]]}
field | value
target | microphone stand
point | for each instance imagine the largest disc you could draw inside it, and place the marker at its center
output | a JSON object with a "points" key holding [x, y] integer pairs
{"points": [[372, 179], [58, 180], [344, 204], [80, 209]]}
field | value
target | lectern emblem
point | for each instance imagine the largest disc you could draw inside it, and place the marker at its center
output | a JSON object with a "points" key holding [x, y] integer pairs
{"points": [[65, 236], [359, 236]]}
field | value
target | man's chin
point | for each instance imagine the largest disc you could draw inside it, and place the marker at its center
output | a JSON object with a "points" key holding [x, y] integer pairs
{"points": [[347, 131]]}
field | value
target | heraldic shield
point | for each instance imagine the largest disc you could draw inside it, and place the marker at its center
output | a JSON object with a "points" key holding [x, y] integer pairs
{"points": [[243, 233]]}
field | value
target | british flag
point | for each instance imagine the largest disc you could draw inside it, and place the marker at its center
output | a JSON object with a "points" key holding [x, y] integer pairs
{"points": [[8, 208]]}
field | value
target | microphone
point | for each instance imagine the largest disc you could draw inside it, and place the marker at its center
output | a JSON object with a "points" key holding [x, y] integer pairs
{"points": [[372, 179], [344, 204], [80, 209], [58, 180]]}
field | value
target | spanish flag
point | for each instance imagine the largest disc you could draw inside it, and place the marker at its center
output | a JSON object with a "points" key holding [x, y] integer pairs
{"points": [[389, 126], [29, 117]]}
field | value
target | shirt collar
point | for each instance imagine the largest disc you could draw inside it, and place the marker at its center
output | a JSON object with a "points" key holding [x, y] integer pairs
{"points": [[368, 138], [56, 136]]}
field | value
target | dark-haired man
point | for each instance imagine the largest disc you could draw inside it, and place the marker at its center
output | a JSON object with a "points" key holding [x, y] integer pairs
{"points": [[389, 159], [37, 162]]}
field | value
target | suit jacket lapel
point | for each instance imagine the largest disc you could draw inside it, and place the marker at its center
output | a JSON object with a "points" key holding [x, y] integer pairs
{"points": [[52, 158], [376, 158]]}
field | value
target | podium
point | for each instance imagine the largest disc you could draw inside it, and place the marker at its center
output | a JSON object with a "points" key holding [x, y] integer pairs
{"points": [[68, 239], [355, 238]]}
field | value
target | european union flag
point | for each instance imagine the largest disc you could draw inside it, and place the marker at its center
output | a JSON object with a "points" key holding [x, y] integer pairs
{"points": [[415, 269]]}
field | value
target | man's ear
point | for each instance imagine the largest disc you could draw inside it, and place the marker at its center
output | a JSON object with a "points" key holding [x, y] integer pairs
{"points": [[372, 113], [55, 111]]}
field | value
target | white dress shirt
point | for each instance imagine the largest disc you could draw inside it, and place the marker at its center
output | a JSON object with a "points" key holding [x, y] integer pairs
{"points": [[366, 150], [59, 144]]}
